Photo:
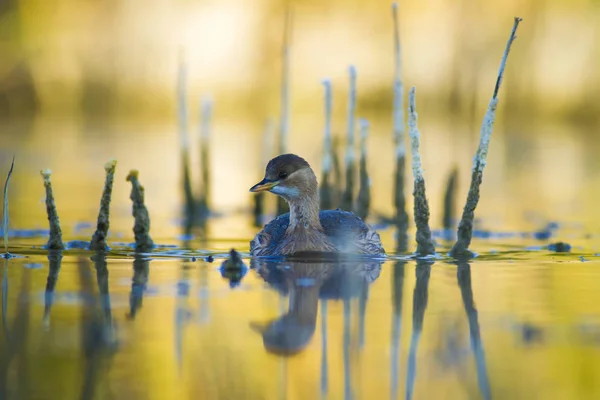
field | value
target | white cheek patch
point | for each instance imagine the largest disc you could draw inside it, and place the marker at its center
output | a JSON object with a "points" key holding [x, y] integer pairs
{"points": [[285, 191]]}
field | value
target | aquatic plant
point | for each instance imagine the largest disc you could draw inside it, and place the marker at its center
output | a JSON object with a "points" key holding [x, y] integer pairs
{"points": [[325, 188], [425, 245], [364, 192], [348, 195], [141, 227], [5, 219], [55, 241], [99, 239], [401, 218], [465, 227]]}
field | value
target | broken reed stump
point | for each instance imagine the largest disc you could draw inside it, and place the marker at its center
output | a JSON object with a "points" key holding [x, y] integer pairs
{"points": [[326, 188], [425, 245], [55, 241], [363, 201], [141, 228], [399, 140], [98, 242], [465, 227], [348, 195]]}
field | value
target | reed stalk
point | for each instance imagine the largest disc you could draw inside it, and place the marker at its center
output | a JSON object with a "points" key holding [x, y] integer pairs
{"points": [[363, 201], [184, 141], [465, 227], [55, 241], [5, 219], [325, 188], [206, 112], [449, 203], [141, 227], [98, 242], [399, 140], [348, 195], [425, 245]]}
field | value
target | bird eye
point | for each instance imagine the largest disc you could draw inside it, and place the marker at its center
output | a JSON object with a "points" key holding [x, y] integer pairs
{"points": [[283, 175]]}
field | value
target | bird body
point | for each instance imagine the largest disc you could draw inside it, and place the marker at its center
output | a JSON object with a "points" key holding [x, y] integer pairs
{"points": [[306, 229]]}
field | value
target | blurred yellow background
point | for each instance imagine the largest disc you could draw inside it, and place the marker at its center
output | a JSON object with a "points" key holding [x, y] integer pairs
{"points": [[84, 81]]}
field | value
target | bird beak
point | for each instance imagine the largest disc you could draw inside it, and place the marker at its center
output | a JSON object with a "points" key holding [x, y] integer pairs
{"points": [[264, 185]]}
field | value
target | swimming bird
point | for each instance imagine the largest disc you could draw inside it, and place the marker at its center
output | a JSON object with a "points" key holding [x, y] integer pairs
{"points": [[306, 229]]}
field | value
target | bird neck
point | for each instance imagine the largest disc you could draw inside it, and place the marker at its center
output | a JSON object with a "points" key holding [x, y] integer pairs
{"points": [[304, 213]]}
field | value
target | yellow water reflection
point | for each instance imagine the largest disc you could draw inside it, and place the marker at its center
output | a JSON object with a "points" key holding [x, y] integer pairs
{"points": [[517, 331]]}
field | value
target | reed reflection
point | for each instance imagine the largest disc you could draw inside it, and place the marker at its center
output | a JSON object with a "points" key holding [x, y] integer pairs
{"points": [[306, 283], [54, 261], [463, 275], [139, 282], [397, 293], [98, 329], [182, 311], [15, 340], [420, 299]]}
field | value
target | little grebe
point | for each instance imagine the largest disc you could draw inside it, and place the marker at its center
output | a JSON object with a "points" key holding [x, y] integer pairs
{"points": [[305, 229]]}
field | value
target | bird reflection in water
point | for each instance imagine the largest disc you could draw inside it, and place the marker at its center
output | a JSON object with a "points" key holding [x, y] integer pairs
{"points": [[306, 283]]}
